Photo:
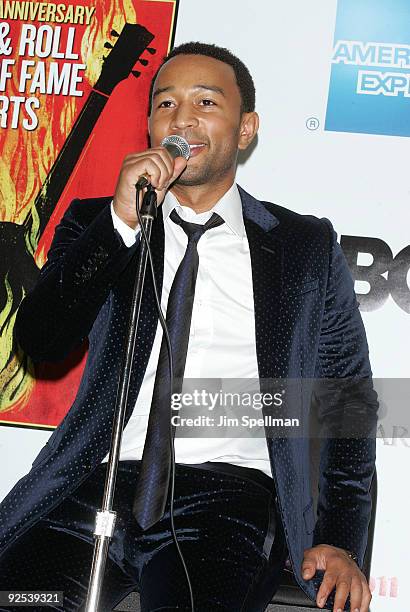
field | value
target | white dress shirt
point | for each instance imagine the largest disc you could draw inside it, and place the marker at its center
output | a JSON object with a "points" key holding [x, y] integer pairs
{"points": [[222, 334]]}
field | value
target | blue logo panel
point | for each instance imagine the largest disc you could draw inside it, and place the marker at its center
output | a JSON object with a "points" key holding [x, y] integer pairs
{"points": [[369, 88]]}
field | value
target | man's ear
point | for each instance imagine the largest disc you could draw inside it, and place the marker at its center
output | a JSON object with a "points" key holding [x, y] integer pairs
{"points": [[248, 129]]}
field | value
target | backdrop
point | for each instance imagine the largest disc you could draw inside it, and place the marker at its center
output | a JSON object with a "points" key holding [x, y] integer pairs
{"points": [[333, 92]]}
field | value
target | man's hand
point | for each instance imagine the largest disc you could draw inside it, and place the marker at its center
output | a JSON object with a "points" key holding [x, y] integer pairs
{"points": [[340, 572], [155, 163]]}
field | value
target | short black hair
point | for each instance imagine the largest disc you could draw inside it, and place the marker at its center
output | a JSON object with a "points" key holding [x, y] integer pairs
{"points": [[243, 76]]}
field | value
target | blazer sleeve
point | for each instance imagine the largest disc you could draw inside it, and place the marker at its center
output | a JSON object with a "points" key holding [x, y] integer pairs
{"points": [[347, 410], [85, 258]]}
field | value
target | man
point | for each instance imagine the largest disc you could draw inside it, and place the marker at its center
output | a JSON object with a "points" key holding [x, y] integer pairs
{"points": [[273, 299]]}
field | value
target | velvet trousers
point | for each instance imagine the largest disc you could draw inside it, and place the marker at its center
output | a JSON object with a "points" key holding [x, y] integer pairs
{"points": [[228, 528]]}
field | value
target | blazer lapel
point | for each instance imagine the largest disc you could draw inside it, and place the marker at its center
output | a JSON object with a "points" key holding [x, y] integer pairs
{"points": [[266, 251]]}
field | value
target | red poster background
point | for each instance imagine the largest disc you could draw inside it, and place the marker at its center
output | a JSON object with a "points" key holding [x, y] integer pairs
{"points": [[120, 129]]}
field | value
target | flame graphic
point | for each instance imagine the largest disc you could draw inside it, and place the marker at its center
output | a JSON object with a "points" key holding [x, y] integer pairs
{"points": [[25, 161], [109, 15], [16, 369]]}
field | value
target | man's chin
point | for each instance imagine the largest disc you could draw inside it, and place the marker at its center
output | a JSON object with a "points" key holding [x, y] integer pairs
{"points": [[192, 179], [187, 182]]}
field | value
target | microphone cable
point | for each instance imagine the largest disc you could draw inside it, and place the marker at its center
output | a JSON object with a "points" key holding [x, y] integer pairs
{"points": [[171, 376]]}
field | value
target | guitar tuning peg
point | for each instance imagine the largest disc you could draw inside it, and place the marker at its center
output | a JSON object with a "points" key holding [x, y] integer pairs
{"points": [[103, 58], [143, 61], [135, 73], [108, 45], [151, 50], [114, 33]]}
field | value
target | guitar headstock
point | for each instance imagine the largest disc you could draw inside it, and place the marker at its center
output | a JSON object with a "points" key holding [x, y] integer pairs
{"points": [[125, 52]]}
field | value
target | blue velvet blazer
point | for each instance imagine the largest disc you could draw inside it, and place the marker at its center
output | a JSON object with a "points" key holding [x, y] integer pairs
{"points": [[307, 325]]}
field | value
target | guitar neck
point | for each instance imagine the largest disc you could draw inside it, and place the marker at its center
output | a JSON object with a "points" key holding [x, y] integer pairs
{"points": [[131, 43], [66, 160]]}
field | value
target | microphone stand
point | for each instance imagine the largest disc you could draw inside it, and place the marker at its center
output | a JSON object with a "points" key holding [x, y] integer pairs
{"points": [[105, 518]]}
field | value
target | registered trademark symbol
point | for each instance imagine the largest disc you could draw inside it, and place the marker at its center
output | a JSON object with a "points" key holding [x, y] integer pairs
{"points": [[312, 123]]}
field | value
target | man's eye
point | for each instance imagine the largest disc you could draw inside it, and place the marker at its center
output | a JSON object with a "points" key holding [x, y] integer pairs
{"points": [[207, 102], [165, 104]]}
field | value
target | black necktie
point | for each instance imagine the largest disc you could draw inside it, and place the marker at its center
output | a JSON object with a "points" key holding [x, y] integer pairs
{"points": [[152, 486]]}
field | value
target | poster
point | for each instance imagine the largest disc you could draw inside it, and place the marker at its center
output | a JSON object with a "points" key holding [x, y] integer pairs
{"points": [[74, 84]]}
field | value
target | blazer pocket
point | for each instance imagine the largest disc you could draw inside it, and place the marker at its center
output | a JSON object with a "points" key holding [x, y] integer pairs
{"points": [[309, 517], [300, 288]]}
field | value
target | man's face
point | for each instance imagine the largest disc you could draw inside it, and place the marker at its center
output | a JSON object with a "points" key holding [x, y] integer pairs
{"points": [[197, 97]]}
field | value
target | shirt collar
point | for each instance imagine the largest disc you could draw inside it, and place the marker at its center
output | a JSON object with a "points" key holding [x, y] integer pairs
{"points": [[229, 207]]}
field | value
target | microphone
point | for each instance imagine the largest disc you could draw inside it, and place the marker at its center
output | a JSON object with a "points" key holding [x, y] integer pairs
{"points": [[176, 147]]}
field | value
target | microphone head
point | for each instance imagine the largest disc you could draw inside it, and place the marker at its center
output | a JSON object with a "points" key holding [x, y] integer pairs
{"points": [[176, 146]]}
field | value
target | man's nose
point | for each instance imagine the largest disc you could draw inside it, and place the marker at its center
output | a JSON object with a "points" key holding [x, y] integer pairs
{"points": [[184, 117]]}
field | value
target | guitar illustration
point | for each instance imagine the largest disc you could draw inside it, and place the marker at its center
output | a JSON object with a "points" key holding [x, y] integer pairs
{"points": [[18, 269]]}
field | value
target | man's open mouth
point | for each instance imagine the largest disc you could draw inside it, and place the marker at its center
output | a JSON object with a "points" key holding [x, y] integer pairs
{"points": [[196, 148]]}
